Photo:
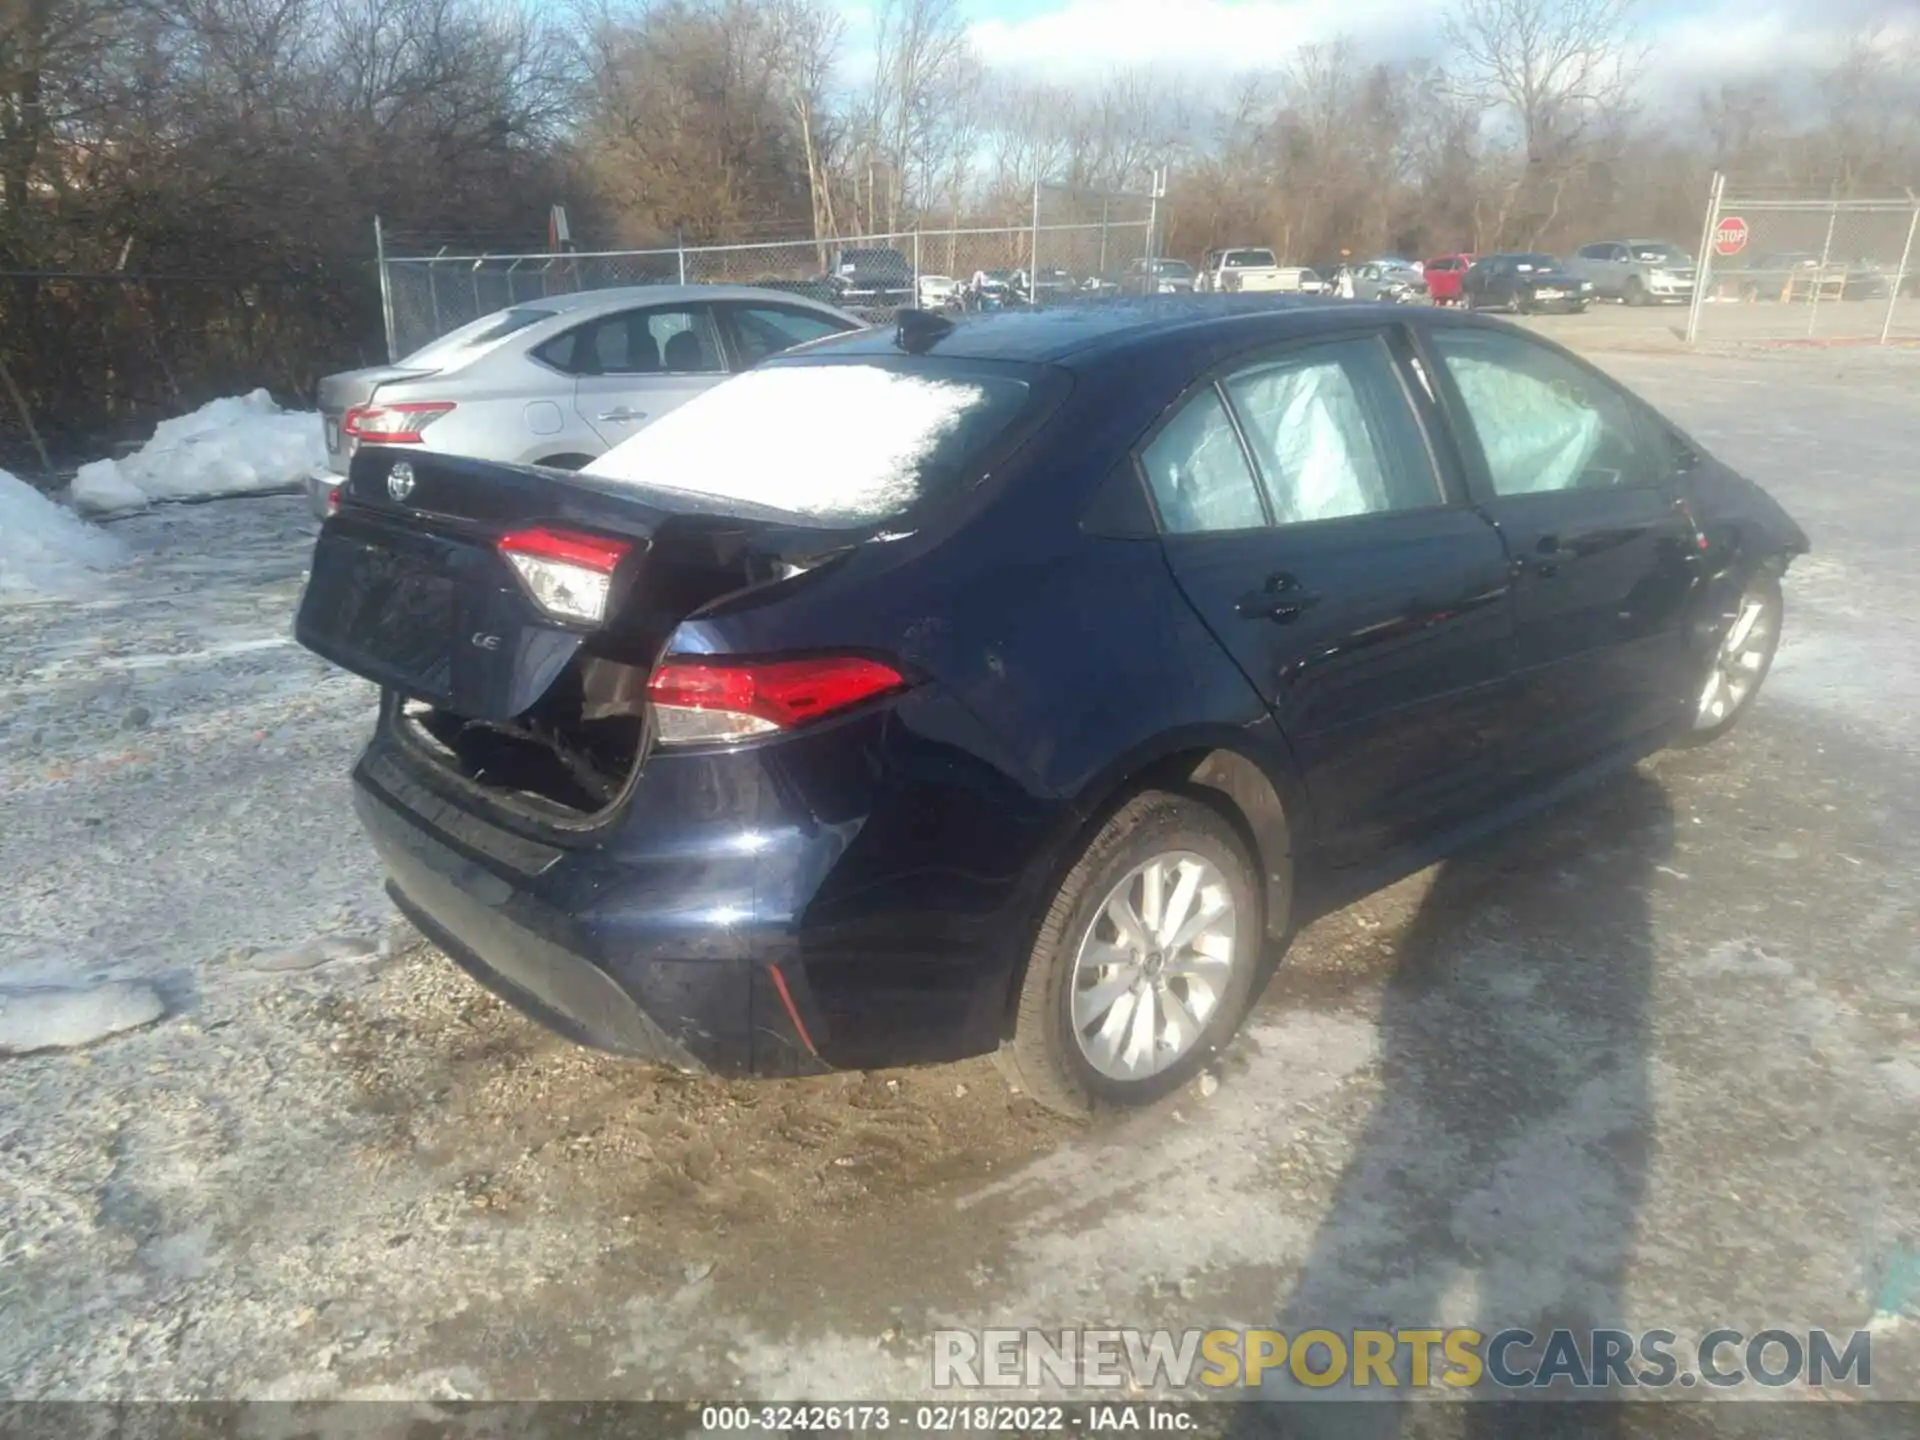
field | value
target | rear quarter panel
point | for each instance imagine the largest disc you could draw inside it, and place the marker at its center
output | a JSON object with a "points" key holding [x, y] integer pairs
{"points": [[1054, 666]]}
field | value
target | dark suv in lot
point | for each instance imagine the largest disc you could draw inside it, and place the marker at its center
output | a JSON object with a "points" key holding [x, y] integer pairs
{"points": [[875, 279]]}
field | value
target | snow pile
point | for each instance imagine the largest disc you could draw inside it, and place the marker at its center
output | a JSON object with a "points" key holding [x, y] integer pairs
{"points": [[57, 1019], [241, 445], [844, 443], [44, 547]]}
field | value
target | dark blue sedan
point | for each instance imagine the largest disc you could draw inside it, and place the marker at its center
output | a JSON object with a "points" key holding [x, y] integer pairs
{"points": [[1020, 683]]}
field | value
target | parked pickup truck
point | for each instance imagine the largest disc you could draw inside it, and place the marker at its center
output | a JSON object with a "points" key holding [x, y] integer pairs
{"points": [[1635, 272], [1248, 270]]}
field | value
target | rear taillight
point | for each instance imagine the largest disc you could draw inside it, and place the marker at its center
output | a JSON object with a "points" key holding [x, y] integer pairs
{"points": [[333, 501], [699, 701], [399, 423], [568, 574]]}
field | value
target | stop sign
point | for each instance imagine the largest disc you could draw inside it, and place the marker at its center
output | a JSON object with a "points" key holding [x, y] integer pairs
{"points": [[1730, 236]]}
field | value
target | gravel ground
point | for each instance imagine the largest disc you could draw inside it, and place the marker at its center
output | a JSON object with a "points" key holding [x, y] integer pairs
{"points": [[1650, 1060]]}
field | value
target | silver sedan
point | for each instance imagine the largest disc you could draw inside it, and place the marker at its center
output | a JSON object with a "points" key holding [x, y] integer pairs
{"points": [[561, 380]]}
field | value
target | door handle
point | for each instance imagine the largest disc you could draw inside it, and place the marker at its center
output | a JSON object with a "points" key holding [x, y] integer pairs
{"points": [[1551, 552], [1280, 599], [623, 413]]}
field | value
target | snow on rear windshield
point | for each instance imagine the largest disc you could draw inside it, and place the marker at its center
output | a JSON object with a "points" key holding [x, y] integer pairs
{"points": [[844, 444]]}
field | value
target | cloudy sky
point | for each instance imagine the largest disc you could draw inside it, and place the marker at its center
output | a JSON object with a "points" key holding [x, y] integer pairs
{"points": [[1692, 41]]}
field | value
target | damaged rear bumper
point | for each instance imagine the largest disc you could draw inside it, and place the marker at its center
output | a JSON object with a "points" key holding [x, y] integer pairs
{"points": [[545, 929]]}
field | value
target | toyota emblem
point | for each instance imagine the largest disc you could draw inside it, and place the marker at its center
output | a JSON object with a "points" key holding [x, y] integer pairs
{"points": [[400, 480]]}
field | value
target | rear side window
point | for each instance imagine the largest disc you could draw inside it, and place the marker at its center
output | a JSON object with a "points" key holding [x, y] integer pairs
{"points": [[1198, 472], [637, 342], [1333, 434]]}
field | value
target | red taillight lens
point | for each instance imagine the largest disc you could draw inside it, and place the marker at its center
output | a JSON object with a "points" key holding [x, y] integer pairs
{"points": [[333, 501], [569, 575], [400, 423], [704, 701]]}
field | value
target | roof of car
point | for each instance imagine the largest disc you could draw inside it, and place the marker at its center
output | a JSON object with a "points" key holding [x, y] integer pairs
{"points": [[619, 297], [1078, 331]]}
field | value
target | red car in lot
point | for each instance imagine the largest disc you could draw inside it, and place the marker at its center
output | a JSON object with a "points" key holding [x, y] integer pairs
{"points": [[1444, 274]]}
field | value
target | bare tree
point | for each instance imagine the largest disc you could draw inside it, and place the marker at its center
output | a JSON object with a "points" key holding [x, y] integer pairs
{"points": [[921, 53], [809, 36], [690, 123], [1560, 72]]}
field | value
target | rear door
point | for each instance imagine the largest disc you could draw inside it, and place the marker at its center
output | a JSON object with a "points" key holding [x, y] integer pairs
{"points": [[632, 366], [1601, 551], [1304, 517]]}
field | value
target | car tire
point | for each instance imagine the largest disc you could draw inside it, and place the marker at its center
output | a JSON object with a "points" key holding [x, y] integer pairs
{"points": [[1742, 659], [1635, 293], [1074, 1035]]}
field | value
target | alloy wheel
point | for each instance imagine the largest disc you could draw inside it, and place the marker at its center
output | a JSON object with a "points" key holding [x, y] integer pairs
{"points": [[1153, 966], [1740, 662]]}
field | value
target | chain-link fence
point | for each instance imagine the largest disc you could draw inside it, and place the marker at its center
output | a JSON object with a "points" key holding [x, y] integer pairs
{"points": [[1078, 245], [1832, 269]]}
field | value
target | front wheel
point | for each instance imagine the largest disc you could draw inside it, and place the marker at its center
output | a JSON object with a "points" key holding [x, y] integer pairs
{"points": [[1636, 293], [1144, 963], [1741, 661]]}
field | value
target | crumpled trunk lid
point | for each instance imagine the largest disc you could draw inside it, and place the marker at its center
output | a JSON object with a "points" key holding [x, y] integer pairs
{"points": [[539, 716], [409, 589]]}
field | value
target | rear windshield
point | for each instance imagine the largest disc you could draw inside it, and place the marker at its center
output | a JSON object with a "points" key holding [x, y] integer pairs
{"points": [[1535, 262], [1250, 259], [840, 444], [478, 334], [1177, 269]]}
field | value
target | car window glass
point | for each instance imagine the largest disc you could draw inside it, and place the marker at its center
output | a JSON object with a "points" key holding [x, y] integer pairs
{"points": [[1543, 423], [767, 330], [637, 342], [685, 339], [1332, 433], [1198, 472]]}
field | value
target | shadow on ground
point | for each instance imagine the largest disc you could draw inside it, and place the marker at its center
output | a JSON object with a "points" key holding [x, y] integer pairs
{"points": [[1497, 1181]]}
